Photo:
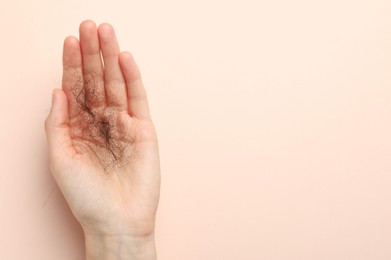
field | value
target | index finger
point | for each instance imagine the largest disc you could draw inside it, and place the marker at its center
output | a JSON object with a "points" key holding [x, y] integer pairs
{"points": [[72, 77]]}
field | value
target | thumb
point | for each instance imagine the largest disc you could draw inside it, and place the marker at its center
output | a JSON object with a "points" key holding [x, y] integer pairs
{"points": [[57, 124]]}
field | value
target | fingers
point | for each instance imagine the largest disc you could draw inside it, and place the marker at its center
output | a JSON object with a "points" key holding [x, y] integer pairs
{"points": [[88, 83], [92, 64], [136, 94], [72, 73], [114, 80]]}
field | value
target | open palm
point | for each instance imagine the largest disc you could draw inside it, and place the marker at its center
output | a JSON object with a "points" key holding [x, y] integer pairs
{"points": [[103, 145]]}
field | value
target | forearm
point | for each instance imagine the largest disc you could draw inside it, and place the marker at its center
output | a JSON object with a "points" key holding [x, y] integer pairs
{"points": [[119, 247]]}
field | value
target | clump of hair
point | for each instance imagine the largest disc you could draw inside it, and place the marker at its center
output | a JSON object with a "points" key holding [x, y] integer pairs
{"points": [[100, 129]]}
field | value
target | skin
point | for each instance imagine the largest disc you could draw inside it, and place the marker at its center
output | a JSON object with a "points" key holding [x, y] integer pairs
{"points": [[103, 146]]}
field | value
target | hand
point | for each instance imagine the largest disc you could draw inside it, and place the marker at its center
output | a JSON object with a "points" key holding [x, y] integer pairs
{"points": [[102, 142]]}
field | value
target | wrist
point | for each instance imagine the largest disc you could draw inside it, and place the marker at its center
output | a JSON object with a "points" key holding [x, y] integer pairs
{"points": [[118, 247]]}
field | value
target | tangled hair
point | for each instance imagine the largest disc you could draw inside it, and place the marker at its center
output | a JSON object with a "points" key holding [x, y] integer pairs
{"points": [[100, 130]]}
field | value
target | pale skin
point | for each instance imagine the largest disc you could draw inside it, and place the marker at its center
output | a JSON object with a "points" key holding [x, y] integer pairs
{"points": [[103, 146]]}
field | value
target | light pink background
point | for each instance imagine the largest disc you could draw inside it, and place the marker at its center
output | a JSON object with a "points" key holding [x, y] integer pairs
{"points": [[274, 122]]}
